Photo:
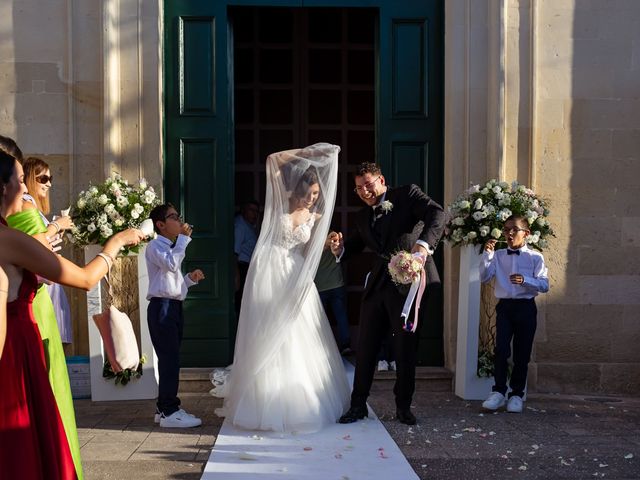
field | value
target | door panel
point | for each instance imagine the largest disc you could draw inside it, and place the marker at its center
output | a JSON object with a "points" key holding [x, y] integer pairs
{"points": [[198, 168]]}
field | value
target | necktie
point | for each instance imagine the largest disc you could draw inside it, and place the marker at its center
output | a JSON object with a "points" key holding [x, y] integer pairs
{"points": [[513, 252]]}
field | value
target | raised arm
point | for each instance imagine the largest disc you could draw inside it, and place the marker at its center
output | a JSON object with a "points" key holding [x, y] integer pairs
{"points": [[24, 251]]}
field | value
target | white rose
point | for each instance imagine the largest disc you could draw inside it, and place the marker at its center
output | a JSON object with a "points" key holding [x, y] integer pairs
{"points": [[484, 230], [484, 191], [91, 228], [81, 203], [499, 195], [118, 222], [495, 233], [109, 209], [122, 201], [93, 191], [472, 235], [102, 219], [504, 214], [142, 184], [496, 189], [464, 204], [504, 185], [135, 214], [458, 221], [477, 204], [477, 216], [103, 199], [541, 221]]}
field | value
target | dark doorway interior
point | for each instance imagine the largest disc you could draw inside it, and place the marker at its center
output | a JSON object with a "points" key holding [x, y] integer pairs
{"points": [[302, 76]]}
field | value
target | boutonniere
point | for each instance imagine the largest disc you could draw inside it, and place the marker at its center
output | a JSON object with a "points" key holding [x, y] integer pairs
{"points": [[386, 206]]}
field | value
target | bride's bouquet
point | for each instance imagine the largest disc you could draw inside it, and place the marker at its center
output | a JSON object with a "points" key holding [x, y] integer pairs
{"points": [[111, 207], [408, 269], [405, 268]]}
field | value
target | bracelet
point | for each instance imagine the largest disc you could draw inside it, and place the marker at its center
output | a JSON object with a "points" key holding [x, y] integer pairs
{"points": [[107, 258], [55, 224]]}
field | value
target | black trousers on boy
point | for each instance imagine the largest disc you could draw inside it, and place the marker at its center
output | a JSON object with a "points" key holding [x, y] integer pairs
{"points": [[166, 322], [515, 319]]}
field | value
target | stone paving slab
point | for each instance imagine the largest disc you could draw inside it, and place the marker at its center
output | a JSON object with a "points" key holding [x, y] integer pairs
{"points": [[557, 437]]}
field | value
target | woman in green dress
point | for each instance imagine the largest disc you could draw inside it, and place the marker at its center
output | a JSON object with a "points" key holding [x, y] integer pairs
{"points": [[30, 220]]}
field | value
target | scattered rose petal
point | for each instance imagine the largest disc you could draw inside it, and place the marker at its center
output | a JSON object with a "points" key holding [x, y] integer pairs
{"points": [[564, 462], [628, 456], [427, 441], [307, 449], [436, 430], [535, 447], [347, 437], [408, 442], [522, 467], [456, 435], [503, 456], [603, 465], [492, 433], [423, 465], [338, 455]]}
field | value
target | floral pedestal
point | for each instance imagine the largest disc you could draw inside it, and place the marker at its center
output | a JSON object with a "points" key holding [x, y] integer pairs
{"points": [[145, 387], [468, 385]]}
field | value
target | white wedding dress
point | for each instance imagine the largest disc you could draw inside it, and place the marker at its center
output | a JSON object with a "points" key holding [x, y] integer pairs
{"points": [[287, 374]]}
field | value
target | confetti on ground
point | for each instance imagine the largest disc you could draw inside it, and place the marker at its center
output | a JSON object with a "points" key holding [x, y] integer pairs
{"points": [[307, 449], [628, 456], [338, 455], [347, 437], [381, 453]]}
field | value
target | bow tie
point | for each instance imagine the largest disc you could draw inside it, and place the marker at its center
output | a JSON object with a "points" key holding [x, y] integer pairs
{"points": [[513, 252]]}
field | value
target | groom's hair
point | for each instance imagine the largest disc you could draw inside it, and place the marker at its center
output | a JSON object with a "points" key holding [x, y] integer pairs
{"points": [[368, 167]]}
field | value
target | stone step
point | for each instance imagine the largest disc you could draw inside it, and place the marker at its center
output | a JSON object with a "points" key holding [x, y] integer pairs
{"points": [[428, 379]]}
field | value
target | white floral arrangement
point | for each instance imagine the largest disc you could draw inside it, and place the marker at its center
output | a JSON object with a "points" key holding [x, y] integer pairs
{"points": [[404, 268], [111, 207], [386, 206], [479, 213]]}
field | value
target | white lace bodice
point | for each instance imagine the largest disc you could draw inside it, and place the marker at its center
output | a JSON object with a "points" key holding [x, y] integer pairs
{"points": [[298, 236]]}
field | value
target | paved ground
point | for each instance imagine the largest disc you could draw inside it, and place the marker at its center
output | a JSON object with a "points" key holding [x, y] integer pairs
{"points": [[557, 437]]}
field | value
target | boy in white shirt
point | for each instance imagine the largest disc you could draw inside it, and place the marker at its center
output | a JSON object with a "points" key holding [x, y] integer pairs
{"points": [[167, 290], [520, 275]]}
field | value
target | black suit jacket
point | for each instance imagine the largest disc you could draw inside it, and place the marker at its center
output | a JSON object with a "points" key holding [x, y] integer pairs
{"points": [[414, 216]]}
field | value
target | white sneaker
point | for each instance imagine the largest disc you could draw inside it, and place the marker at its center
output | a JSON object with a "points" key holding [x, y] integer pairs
{"points": [[514, 405], [180, 419], [392, 365], [383, 366], [494, 401], [158, 415]]}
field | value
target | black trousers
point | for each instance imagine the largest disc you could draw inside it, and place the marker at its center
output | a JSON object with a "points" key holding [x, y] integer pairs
{"points": [[516, 319], [166, 321], [379, 314]]}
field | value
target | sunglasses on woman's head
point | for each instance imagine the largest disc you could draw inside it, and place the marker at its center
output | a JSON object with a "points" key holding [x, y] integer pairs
{"points": [[44, 179]]}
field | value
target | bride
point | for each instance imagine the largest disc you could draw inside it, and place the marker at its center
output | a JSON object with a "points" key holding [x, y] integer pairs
{"points": [[287, 372]]}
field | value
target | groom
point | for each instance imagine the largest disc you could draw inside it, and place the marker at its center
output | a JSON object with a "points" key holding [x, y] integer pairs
{"points": [[402, 218]]}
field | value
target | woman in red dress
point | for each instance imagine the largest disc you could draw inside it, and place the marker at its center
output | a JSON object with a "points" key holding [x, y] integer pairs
{"points": [[33, 443]]}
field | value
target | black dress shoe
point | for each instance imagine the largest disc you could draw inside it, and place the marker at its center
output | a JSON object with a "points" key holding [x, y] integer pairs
{"points": [[354, 414], [405, 416]]}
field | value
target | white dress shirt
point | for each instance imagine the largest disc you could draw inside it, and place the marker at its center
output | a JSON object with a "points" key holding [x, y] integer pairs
{"points": [[529, 263], [163, 265]]}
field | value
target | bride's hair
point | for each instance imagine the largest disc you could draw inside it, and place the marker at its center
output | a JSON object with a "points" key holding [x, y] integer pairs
{"points": [[308, 178]]}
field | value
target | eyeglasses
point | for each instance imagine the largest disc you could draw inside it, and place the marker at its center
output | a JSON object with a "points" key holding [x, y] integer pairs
{"points": [[173, 216], [513, 229], [44, 179], [367, 186]]}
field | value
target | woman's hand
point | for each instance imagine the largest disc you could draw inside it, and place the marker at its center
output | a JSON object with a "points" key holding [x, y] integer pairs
{"points": [[65, 223], [129, 237]]}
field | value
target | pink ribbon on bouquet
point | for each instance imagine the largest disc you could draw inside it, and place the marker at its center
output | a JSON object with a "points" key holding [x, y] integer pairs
{"points": [[417, 290]]}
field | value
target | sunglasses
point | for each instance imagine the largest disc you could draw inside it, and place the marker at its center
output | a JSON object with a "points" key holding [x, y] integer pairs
{"points": [[514, 230], [44, 179]]}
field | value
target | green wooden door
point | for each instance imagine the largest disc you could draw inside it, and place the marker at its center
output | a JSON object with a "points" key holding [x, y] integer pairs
{"points": [[199, 131], [410, 118], [198, 168]]}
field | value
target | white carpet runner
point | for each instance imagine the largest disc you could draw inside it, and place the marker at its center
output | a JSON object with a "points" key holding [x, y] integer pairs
{"points": [[361, 450]]}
